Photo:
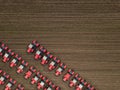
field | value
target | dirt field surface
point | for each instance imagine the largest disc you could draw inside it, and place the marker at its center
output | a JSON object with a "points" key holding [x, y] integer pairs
{"points": [[84, 34]]}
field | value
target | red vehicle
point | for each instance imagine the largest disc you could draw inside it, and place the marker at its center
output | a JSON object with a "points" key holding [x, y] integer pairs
{"points": [[39, 53], [22, 66], [50, 86], [90, 87], [46, 58], [42, 83], [79, 86], [36, 78], [53, 64], [31, 70], [32, 46], [3, 48], [10, 84], [74, 80], [7, 56], [68, 75], [60, 69], [1, 71], [57, 88], [84, 82], [15, 61], [3, 78], [20, 87]]}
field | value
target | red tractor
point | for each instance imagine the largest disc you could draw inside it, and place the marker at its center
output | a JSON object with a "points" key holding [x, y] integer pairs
{"points": [[4, 78], [79, 86], [50, 86], [84, 82], [1, 71], [60, 69], [10, 84], [39, 53], [36, 78], [42, 83], [46, 58], [31, 70], [68, 75], [57, 88], [32, 46], [7, 56], [22, 66], [53, 64], [74, 80], [90, 87], [3, 48], [20, 87], [15, 60]]}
